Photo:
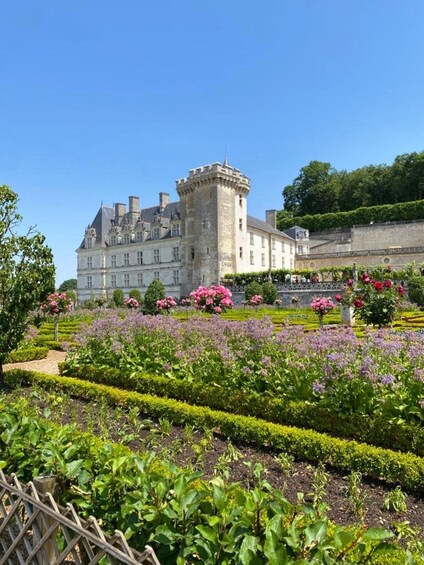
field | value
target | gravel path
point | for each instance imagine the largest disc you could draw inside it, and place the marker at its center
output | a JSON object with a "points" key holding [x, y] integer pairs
{"points": [[48, 365]]}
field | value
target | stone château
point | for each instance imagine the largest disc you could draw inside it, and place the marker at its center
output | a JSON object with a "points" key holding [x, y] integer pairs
{"points": [[192, 242]]}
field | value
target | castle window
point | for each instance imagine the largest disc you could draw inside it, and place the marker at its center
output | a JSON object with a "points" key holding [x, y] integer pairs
{"points": [[89, 242], [282, 247], [140, 279], [126, 259], [156, 256], [155, 233], [192, 253], [176, 276], [263, 241], [89, 282], [240, 200], [126, 238], [139, 257], [240, 224], [175, 230], [207, 250], [291, 248], [273, 243], [241, 252], [252, 257], [156, 275], [139, 236], [89, 262], [113, 281], [113, 240], [113, 260], [127, 279], [252, 238], [300, 250], [263, 259], [274, 264], [175, 253]]}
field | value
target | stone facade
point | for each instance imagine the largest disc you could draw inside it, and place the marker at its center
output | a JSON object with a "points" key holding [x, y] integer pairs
{"points": [[390, 243], [193, 242]]}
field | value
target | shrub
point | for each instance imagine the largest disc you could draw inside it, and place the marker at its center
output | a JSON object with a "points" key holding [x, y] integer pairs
{"points": [[269, 293], [136, 294], [155, 291], [252, 289], [416, 290], [118, 297]]}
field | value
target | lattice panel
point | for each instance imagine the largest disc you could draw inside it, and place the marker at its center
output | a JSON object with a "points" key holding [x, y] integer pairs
{"points": [[34, 530]]}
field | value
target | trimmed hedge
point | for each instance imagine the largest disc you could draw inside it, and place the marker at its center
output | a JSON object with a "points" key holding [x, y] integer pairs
{"points": [[376, 431], [402, 211], [27, 354], [404, 469]]}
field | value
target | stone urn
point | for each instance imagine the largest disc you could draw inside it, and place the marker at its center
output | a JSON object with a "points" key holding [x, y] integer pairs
{"points": [[347, 315]]}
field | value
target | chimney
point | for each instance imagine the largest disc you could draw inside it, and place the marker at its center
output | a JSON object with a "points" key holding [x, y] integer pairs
{"points": [[271, 218], [134, 208], [119, 212], [163, 200]]}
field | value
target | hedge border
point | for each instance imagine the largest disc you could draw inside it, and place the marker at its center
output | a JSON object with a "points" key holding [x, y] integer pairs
{"points": [[27, 354], [404, 469], [376, 431]]}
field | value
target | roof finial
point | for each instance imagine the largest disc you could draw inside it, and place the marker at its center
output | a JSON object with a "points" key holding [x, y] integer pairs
{"points": [[225, 163]]}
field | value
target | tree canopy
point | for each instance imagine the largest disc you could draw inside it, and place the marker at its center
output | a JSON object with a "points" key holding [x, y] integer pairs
{"points": [[319, 188], [68, 284], [26, 274]]}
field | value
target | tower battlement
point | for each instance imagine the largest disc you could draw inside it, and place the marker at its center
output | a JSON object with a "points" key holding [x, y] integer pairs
{"points": [[225, 174]]}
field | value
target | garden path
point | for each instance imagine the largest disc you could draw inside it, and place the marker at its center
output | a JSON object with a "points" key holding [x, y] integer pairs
{"points": [[48, 365]]}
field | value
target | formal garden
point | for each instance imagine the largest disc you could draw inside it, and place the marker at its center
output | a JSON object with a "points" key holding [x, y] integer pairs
{"points": [[267, 433]]}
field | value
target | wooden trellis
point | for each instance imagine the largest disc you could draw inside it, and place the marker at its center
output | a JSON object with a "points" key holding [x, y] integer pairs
{"points": [[35, 530]]}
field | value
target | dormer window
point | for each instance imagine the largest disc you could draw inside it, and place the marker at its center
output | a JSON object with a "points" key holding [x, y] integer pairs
{"points": [[126, 238], [89, 242], [175, 231], [113, 240], [155, 233]]}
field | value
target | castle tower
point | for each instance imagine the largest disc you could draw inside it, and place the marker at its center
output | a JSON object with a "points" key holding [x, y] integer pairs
{"points": [[214, 215]]}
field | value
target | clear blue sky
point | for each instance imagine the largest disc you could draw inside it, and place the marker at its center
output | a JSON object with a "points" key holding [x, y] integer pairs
{"points": [[100, 100]]}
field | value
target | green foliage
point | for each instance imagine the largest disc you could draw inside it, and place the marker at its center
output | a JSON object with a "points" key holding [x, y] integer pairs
{"points": [[378, 431], [118, 297], [136, 294], [403, 211], [404, 469], [27, 354], [69, 284], [155, 291], [395, 501], [416, 290], [26, 274], [319, 188], [269, 293], [184, 517], [252, 289]]}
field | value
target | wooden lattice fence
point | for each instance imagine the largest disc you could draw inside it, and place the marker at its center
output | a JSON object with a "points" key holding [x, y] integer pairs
{"points": [[35, 530]]}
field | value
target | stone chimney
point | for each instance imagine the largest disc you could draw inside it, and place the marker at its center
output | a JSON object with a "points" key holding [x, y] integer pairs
{"points": [[134, 208], [271, 218], [120, 210], [163, 200]]}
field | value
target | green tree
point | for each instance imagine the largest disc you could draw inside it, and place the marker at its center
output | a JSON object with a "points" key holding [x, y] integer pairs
{"points": [[26, 274], [155, 291], [314, 191], [416, 290], [118, 297], [69, 284]]}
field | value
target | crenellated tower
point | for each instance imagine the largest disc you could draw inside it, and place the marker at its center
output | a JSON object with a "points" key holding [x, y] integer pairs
{"points": [[214, 216]]}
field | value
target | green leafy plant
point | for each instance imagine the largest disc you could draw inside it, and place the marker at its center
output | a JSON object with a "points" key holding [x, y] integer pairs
{"points": [[155, 291], [356, 495], [118, 297], [395, 501]]}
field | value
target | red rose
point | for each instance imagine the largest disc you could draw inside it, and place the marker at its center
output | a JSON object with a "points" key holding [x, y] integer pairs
{"points": [[338, 297], [388, 283], [378, 286], [401, 290], [365, 278], [358, 303]]}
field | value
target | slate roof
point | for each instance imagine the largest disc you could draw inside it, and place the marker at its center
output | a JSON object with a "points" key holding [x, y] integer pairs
{"points": [[264, 226]]}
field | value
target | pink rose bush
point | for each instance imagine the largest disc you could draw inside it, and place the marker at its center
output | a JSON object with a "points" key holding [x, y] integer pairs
{"points": [[255, 300], [214, 300], [131, 303], [165, 304], [56, 303], [322, 306]]}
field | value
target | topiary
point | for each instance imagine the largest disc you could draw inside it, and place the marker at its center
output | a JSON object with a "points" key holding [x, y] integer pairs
{"points": [[118, 297], [251, 289], [155, 291], [416, 290], [269, 293]]}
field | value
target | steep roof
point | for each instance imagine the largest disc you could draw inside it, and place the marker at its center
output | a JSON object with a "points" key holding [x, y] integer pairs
{"points": [[264, 226]]}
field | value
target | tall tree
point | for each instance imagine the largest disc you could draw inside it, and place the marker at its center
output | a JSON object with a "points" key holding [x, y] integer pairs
{"points": [[68, 284], [314, 191], [26, 274]]}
